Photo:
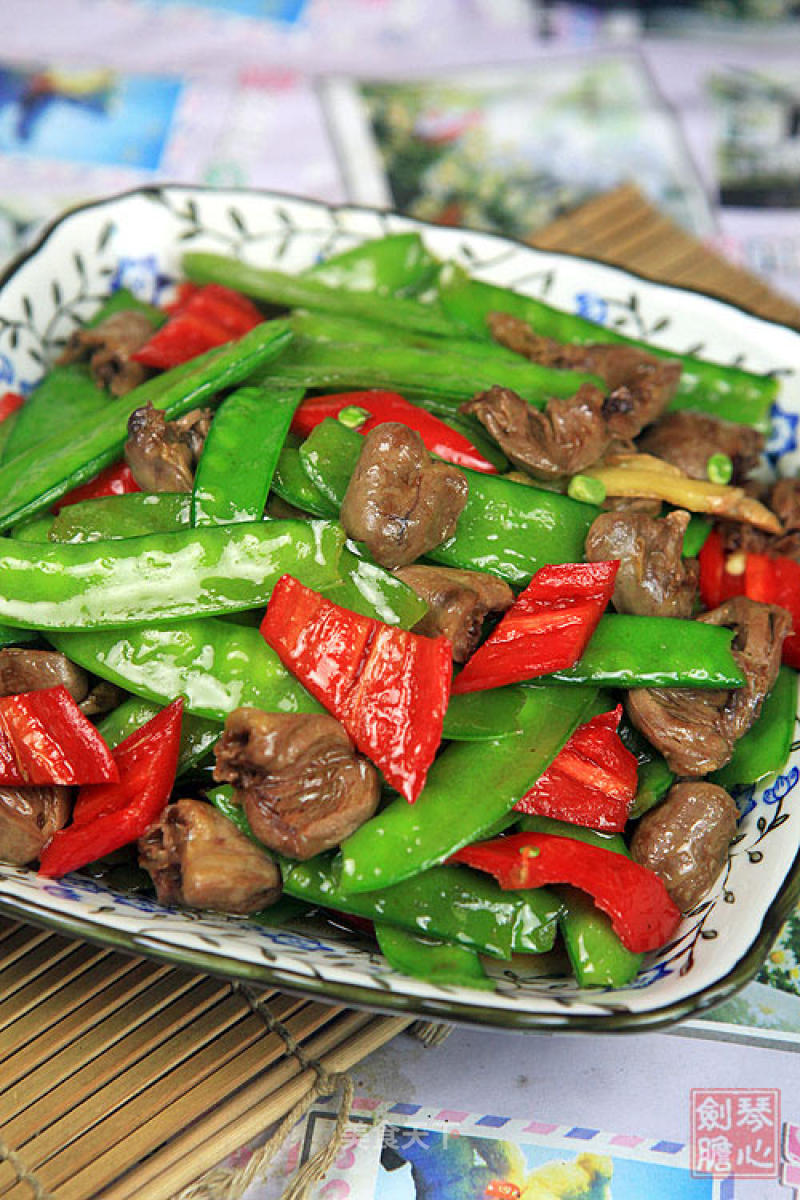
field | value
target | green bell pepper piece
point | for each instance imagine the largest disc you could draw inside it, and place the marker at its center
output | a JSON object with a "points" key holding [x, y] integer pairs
{"points": [[764, 749], [435, 961], [470, 786], [398, 264], [535, 526], [163, 577], [627, 651], [34, 479], [724, 391], [198, 734], [235, 470], [597, 956]]}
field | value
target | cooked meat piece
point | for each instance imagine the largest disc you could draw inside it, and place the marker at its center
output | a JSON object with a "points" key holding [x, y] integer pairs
{"points": [[23, 670], [696, 730], [685, 840], [653, 579], [458, 603], [108, 348], [640, 384], [29, 816], [399, 502], [102, 698], [563, 439], [197, 857], [688, 439], [163, 454], [784, 500], [759, 633], [302, 784]]}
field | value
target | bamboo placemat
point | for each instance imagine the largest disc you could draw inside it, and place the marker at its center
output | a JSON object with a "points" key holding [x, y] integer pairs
{"points": [[125, 1079]]}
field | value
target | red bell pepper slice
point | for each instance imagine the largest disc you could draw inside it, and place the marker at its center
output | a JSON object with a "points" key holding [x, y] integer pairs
{"points": [[201, 318], [641, 911], [114, 480], [109, 816], [389, 688], [770, 580], [591, 781], [51, 741], [9, 403], [546, 629], [230, 309], [439, 438]]}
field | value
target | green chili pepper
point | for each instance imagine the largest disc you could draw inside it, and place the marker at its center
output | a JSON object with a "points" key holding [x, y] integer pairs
{"points": [[470, 787], [34, 479], [430, 959], [765, 747], [240, 454], [162, 577], [396, 265], [198, 734], [627, 652], [597, 955], [68, 393], [505, 527], [724, 391]]}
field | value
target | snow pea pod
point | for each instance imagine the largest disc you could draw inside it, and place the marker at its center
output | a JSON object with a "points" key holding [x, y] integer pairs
{"points": [[308, 291], [396, 265], [34, 479], [438, 373], [470, 787], [198, 734], [431, 959], [459, 905], [724, 391], [765, 747], [597, 956], [293, 485], [162, 577], [505, 527], [241, 451], [113, 517], [627, 651]]}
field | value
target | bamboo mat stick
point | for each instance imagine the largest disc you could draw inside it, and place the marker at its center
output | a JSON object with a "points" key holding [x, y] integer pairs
{"points": [[76, 1138], [36, 987], [242, 1118]]}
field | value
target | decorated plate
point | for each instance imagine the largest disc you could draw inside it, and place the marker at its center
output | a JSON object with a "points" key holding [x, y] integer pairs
{"points": [[137, 240]]}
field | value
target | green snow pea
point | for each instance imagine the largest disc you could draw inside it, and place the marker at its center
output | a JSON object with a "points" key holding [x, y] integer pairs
{"points": [[67, 393], [764, 749], [34, 479], [484, 716], [653, 776], [433, 372], [198, 734], [7, 426], [505, 527], [597, 955], [293, 485], [241, 451], [627, 651], [724, 391], [470, 786], [453, 903], [162, 577], [396, 265], [308, 291], [431, 959], [113, 517]]}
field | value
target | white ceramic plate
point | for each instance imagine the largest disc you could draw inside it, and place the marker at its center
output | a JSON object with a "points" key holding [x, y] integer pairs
{"points": [[137, 239]]}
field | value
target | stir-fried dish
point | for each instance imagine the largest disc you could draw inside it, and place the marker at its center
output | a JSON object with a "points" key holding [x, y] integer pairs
{"points": [[402, 595]]}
